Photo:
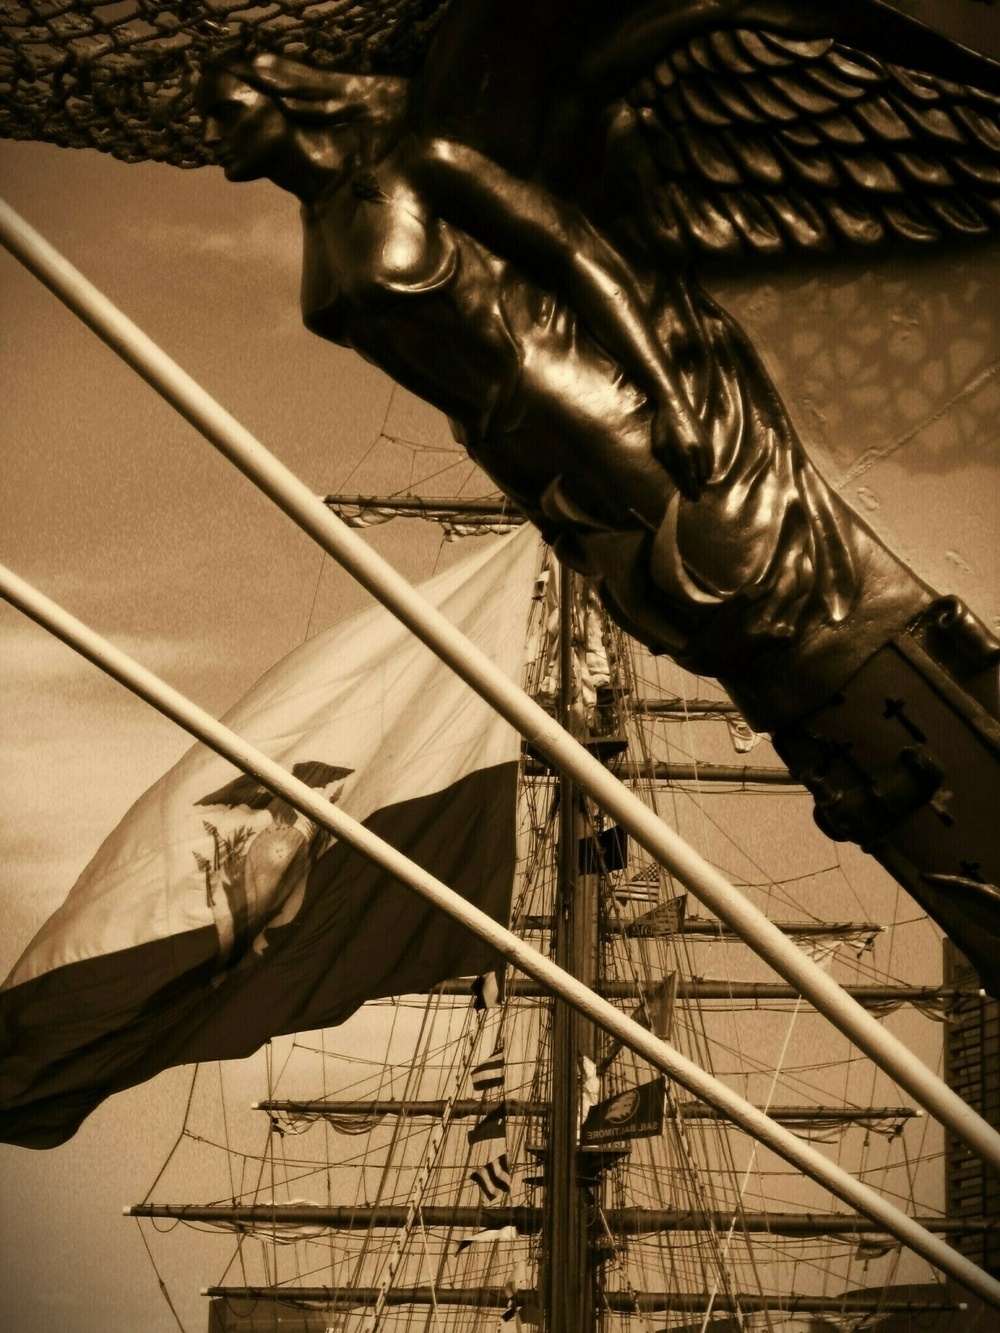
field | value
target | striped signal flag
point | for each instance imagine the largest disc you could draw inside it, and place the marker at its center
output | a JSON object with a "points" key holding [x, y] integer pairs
{"points": [[489, 1074], [494, 1178]]}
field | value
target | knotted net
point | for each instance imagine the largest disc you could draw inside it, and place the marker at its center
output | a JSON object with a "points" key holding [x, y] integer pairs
{"points": [[120, 76]]}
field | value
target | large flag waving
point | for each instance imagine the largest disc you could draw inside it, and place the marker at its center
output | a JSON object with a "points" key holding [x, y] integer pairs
{"points": [[215, 916]]}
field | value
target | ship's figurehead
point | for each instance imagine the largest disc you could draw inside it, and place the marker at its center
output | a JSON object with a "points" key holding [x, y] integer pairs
{"points": [[514, 234]]}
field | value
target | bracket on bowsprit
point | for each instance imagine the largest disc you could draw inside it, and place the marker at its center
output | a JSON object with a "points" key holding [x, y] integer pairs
{"points": [[905, 761]]}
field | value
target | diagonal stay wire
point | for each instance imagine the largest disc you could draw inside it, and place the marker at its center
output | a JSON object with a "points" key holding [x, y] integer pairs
{"points": [[180, 1136]]}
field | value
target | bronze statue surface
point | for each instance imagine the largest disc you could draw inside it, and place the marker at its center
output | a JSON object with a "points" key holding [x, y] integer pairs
{"points": [[514, 232]]}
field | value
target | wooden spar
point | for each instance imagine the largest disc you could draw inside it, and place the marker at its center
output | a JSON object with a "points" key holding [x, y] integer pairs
{"points": [[759, 992], [623, 1221], [464, 1107], [618, 1302], [455, 507], [661, 771], [343, 1298], [697, 709], [705, 927], [542, 731], [611, 1020]]}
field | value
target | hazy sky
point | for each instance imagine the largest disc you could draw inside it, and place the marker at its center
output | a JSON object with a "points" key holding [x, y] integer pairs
{"points": [[114, 507]]}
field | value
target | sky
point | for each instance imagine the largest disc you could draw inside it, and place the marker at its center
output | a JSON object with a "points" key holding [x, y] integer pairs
{"points": [[114, 507]]}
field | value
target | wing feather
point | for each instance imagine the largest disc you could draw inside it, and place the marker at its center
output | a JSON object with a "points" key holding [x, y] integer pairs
{"points": [[755, 224], [811, 166], [910, 223], [763, 142]]}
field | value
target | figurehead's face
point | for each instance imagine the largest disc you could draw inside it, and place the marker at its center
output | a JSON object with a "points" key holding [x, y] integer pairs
{"points": [[247, 130]]}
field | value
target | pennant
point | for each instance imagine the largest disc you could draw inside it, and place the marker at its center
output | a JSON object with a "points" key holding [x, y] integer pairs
{"points": [[490, 1073], [656, 1015], [215, 917], [666, 919], [660, 1008], [875, 1247], [485, 992], [821, 947], [742, 736], [634, 1114], [492, 1126], [494, 1179], [492, 1233]]}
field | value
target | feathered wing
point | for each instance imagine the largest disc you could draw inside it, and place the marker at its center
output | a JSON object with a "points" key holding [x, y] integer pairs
{"points": [[749, 141], [729, 127]]}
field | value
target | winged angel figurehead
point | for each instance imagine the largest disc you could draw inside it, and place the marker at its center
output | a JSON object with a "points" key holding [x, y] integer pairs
{"points": [[513, 234]]}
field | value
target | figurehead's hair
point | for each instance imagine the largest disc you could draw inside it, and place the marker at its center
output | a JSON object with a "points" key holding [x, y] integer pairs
{"points": [[309, 95]]}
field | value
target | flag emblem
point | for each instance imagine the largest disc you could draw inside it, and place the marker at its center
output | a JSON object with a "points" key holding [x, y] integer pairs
{"points": [[257, 873], [633, 1114]]}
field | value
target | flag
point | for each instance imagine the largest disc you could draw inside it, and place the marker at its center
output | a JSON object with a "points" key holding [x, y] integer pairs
{"points": [[490, 1073], [655, 1013], [590, 1084], [601, 853], [742, 736], [660, 1007], [493, 1179], [634, 1114], [491, 1233], [215, 916], [492, 1126], [875, 1247], [485, 991], [521, 1308], [666, 919], [644, 885]]}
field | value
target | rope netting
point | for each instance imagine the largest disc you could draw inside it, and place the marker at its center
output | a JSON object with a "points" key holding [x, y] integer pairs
{"points": [[120, 76]]}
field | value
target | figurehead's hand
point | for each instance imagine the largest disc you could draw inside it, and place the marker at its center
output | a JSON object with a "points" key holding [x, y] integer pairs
{"points": [[680, 443]]}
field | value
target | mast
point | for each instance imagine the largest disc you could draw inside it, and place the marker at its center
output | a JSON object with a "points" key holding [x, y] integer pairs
{"points": [[568, 1305], [605, 1251]]}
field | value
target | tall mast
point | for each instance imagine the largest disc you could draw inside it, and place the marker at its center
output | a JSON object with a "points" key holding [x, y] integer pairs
{"points": [[567, 1263], [573, 1253]]}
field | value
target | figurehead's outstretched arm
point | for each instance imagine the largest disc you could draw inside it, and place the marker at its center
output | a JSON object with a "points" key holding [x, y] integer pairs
{"points": [[555, 244]]}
